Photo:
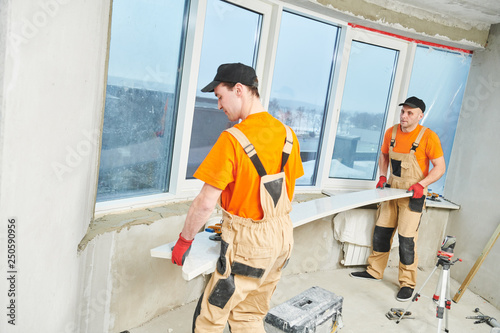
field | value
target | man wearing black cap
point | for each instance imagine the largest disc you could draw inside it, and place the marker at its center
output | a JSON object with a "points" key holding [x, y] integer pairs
{"points": [[407, 149], [251, 170]]}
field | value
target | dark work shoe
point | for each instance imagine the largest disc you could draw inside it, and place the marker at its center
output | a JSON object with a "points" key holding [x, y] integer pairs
{"points": [[404, 294], [363, 275]]}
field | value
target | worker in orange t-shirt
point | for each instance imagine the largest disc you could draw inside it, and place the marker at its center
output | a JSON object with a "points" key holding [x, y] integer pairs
{"points": [[407, 149], [252, 169]]}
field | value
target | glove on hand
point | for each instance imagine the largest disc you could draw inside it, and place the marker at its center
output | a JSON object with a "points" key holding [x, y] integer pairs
{"points": [[181, 250], [381, 182], [418, 190]]}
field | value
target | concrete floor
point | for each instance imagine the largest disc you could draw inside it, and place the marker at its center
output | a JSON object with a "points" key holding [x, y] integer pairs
{"points": [[364, 307]]}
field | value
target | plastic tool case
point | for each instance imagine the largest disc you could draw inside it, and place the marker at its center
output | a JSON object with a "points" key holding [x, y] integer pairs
{"points": [[315, 310]]}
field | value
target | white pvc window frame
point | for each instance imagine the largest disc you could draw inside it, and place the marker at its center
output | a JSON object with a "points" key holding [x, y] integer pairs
{"points": [[181, 188], [188, 187], [365, 36]]}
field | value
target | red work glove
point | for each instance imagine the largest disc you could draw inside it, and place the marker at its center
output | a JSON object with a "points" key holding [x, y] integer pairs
{"points": [[181, 250], [381, 182], [418, 190]]}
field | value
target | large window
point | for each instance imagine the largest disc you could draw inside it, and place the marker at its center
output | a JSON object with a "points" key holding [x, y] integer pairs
{"points": [[439, 77], [141, 97], [231, 34], [301, 83], [365, 105], [338, 109]]}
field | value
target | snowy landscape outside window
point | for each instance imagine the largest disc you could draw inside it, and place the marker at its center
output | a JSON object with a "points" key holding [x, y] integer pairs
{"points": [[301, 83], [439, 78], [363, 113], [222, 43], [141, 97]]}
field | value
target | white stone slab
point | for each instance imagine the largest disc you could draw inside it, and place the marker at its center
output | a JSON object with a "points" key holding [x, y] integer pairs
{"points": [[442, 203], [204, 252], [201, 259], [306, 212]]}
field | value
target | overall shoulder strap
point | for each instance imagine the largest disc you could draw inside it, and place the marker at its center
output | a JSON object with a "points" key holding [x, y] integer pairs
{"points": [[249, 149], [393, 137], [287, 148], [417, 141]]}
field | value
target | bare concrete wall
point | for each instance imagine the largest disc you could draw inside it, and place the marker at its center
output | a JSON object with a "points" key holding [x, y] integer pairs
{"points": [[315, 248], [4, 8], [472, 179], [432, 230], [124, 285], [53, 83]]}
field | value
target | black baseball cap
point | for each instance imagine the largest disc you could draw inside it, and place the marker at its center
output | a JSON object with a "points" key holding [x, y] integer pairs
{"points": [[414, 102], [233, 73]]}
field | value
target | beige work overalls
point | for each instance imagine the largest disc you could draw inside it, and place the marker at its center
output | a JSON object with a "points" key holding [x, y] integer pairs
{"points": [[402, 213], [253, 253]]}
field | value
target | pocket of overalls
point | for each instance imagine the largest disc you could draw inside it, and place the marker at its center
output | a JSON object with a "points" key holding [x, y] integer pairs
{"points": [[222, 261], [250, 261], [405, 165], [417, 204], [396, 167], [287, 260]]}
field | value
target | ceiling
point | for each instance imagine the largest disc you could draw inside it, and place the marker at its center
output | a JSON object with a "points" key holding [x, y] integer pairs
{"points": [[474, 12], [457, 23]]}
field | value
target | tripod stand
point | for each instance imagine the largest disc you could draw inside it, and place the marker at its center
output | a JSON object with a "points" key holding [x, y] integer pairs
{"points": [[442, 293]]}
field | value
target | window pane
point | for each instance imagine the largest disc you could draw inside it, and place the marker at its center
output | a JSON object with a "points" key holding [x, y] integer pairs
{"points": [[141, 97], [439, 78], [365, 102], [301, 82], [222, 43]]}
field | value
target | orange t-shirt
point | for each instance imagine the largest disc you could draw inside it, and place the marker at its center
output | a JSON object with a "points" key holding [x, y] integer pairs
{"points": [[228, 167], [428, 149]]}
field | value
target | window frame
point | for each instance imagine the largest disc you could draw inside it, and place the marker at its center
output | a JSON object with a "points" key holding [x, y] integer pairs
{"points": [[180, 188], [189, 187], [102, 207], [328, 97], [334, 81], [365, 36]]}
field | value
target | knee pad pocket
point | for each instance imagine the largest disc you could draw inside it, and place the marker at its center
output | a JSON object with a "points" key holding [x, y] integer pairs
{"points": [[382, 239], [406, 250], [222, 292]]}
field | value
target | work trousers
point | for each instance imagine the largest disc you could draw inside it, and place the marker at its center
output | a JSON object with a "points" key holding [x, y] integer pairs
{"points": [[253, 255], [401, 214], [392, 215]]}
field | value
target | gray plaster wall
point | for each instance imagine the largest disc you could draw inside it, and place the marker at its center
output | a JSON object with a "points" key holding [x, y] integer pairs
{"points": [[472, 179], [4, 7], [53, 70], [316, 248], [52, 97], [124, 287]]}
